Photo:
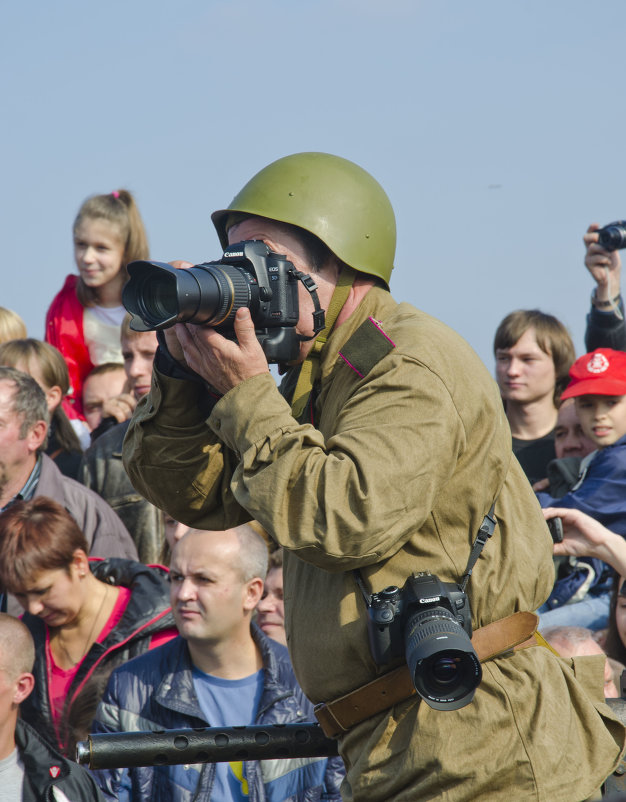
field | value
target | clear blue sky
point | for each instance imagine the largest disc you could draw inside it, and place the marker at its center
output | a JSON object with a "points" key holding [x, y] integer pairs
{"points": [[497, 129]]}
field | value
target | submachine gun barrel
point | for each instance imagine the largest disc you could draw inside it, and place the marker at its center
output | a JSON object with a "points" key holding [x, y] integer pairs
{"points": [[204, 745]]}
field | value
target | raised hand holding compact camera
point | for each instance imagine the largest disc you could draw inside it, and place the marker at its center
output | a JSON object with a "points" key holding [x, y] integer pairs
{"points": [[613, 236]]}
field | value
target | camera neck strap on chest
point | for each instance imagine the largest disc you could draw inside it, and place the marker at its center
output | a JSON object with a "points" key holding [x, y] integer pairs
{"points": [[485, 531], [310, 366]]}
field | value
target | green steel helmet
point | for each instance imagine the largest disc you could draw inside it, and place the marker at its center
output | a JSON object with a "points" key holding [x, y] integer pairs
{"points": [[331, 197]]}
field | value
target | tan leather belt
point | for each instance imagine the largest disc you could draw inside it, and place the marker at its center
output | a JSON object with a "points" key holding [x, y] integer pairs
{"points": [[517, 631]]}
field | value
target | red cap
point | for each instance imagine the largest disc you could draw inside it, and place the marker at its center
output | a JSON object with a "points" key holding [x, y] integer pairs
{"points": [[602, 372]]}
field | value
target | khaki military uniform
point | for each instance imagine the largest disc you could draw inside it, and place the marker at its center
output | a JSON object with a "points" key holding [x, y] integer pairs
{"points": [[410, 448]]}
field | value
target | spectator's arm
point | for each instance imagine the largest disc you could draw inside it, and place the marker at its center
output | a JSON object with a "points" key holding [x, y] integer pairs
{"points": [[583, 536], [605, 322]]}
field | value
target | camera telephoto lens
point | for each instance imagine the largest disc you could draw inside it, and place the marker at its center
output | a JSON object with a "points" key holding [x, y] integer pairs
{"points": [[159, 295], [442, 661], [445, 670], [159, 298]]}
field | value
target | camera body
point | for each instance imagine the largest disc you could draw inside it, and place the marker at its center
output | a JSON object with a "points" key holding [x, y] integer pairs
{"points": [[249, 274], [430, 623], [391, 608], [613, 236]]}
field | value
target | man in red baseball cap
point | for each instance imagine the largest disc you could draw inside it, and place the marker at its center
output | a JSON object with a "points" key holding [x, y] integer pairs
{"points": [[598, 387]]}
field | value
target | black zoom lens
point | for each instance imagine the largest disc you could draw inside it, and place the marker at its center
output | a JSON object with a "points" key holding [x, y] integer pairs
{"points": [[159, 295], [442, 661]]}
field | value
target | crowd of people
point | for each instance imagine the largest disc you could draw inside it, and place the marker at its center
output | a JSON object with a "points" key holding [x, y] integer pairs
{"points": [[151, 488]]}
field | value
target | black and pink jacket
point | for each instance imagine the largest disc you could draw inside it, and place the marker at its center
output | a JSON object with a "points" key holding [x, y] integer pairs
{"points": [[147, 614]]}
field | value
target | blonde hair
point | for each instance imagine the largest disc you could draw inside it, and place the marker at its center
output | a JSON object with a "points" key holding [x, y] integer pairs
{"points": [[54, 373], [12, 327], [117, 208]]}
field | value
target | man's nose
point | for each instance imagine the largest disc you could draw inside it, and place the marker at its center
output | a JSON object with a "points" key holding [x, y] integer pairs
{"points": [[513, 367], [570, 443], [264, 605], [186, 589]]}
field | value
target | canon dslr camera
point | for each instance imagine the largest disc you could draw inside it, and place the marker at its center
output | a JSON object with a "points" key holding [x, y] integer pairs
{"points": [[158, 296], [430, 623]]}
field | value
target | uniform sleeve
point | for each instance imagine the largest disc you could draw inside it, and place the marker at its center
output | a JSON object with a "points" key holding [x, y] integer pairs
{"points": [[340, 502], [175, 461]]}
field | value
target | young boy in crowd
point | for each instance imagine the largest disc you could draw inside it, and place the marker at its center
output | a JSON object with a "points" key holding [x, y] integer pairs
{"points": [[598, 386]]}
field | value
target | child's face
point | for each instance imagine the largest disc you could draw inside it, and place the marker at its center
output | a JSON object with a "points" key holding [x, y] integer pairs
{"points": [[99, 251], [602, 417]]}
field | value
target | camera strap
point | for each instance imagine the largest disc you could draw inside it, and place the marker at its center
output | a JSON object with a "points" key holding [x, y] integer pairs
{"points": [[309, 368], [485, 531], [318, 315]]}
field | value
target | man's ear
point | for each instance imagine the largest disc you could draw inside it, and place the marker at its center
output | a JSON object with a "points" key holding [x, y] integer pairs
{"points": [[36, 435], [252, 593], [23, 687]]}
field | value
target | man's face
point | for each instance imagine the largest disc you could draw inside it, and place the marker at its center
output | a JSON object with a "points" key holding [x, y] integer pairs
{"points": [[602, 417], [207, 593], [281, 240], [98, 389], [270, 611], [17, 453], [525, 374], [138, 351], [569, 438], [8, 704]]}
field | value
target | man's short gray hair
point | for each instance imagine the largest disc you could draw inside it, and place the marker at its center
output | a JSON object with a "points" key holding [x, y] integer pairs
{"points": [[253, 553], [17, 650], [29, 400]]}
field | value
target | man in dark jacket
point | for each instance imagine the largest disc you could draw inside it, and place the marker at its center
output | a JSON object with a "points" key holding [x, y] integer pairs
{"points": [[223, 671], [101, 468], [30, 769]]}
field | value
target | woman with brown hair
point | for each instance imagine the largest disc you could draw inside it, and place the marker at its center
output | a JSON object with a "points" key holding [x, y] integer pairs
{"points": [[86, 617], [46, 365]]}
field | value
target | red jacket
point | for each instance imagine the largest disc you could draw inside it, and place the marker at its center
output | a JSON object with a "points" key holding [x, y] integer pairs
{"points": [[64, 330]]}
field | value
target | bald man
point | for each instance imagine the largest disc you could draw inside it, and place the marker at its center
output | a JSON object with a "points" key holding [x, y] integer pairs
{"points": [[223, 671], [30, 769]]}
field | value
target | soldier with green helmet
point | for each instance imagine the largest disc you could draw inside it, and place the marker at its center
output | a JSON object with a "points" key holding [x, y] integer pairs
{"points": [[384, 452]]}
